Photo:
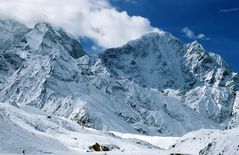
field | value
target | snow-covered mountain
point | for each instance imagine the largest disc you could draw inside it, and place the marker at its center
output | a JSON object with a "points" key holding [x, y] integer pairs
{"points": [[199, 79], [155, 85]]}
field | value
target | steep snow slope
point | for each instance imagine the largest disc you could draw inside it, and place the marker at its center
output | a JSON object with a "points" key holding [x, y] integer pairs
{"points": [[10, 61], [38, 133], [209, 142], [199, 79], [14, 139], [149, 61]]}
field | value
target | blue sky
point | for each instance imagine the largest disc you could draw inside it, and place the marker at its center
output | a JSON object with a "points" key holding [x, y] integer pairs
{"points": [[218, 20]]}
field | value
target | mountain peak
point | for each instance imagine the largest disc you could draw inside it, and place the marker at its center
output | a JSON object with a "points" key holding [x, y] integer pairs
{"points": [[154, 38], [44, 36]]}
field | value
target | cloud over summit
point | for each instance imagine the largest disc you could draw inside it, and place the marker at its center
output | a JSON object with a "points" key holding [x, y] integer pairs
{"points": [[97, 20], [191, 35]]}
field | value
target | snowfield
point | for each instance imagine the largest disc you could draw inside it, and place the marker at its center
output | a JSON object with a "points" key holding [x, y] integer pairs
{"points": [[212, 142], [36, 133]]}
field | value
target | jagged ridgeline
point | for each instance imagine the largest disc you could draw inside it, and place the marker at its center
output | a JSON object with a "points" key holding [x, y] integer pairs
{"points": [[155, 85]]}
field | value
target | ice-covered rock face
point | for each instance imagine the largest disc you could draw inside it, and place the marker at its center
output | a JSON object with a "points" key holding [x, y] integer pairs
{"points": [[152, 61], [11, 34], [42, 55], [161, 61], [11, 41], [154, 85], [158, 60], [46, 40]]}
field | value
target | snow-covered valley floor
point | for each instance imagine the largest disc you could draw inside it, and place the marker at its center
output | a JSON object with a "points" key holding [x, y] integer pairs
{"points": [[35, 132]]}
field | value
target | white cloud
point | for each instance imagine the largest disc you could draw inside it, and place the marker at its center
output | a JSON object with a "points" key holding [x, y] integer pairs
{"points": [[127, 1], [191, 35], [131, 1], [95, 19], [229, 10]]}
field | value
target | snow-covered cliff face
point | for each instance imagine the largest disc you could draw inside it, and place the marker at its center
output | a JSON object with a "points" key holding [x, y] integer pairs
{"points": [[154, 85], [199, 79], [10, 40]]}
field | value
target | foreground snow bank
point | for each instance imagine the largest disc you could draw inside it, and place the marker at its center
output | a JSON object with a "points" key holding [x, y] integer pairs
{"points": [[209, 142], [36, 132]]}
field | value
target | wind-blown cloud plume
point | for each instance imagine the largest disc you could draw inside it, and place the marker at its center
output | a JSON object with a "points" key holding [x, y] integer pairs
{"points": [[191, 35], [97, 20], [229, 10]]}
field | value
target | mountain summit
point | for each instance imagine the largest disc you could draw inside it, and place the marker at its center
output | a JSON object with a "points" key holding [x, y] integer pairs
{"points": [[199, 79]]}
